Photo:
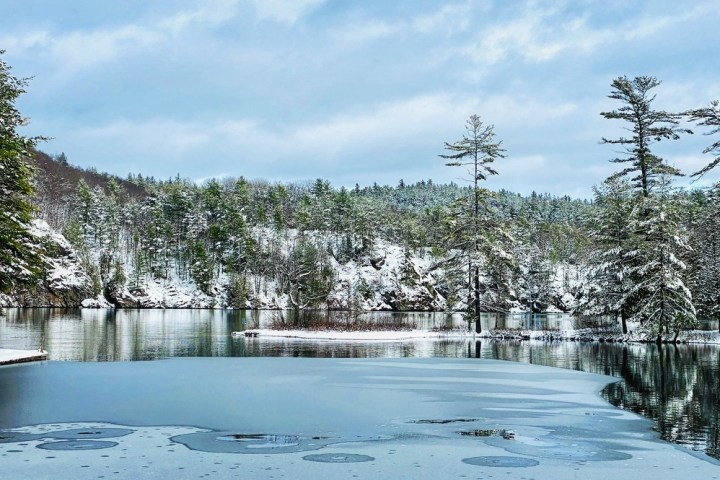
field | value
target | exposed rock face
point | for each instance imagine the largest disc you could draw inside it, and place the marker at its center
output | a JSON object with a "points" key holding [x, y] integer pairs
{"points": [[393, 280], [159, 296], [65, 284]]}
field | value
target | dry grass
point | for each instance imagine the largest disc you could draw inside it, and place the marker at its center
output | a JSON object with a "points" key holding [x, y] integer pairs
{"points": [[337, 321]]}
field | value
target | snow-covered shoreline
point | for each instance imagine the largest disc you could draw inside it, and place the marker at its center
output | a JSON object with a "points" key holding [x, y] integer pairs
{"points": [[583, 335], [374, 335], [9, 357]]}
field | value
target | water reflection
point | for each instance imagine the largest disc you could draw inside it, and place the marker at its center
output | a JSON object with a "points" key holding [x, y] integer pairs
{"points": [[112, 335], [677, 386], [109, 335]]}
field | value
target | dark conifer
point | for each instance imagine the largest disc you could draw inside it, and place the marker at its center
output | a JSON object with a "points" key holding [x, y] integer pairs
{"points": [[20, 258], [648, 126]]}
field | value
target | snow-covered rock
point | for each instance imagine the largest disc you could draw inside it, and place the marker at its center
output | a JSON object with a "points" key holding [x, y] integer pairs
{"points": [[385, 277], [65, 284], [95, 303]]}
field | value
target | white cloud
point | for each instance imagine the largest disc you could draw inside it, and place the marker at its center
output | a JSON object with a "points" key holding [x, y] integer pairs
{"points": [[247, 87], [210, 13], [86, 48], [389, 125], [453, 17], [24, 41], [357, 34], [522, 111], [526, 36], [284, 11], [156, 138], [81, 48], [542, 35], [649, 25], [322, 146]]}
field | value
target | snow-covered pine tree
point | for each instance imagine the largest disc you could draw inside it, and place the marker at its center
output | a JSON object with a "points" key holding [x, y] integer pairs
{"points": [[664, 304], [239, 246], [306, 276], [705, 276], [477, 231], [20, 256], [648, 126], [609, 282]]}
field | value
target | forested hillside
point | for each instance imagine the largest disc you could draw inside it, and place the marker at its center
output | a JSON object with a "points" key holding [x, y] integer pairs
{"points": [[146, 242]]}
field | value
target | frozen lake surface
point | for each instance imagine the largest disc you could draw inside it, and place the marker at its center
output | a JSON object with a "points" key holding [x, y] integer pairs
{"points": [[316, 418], [675, 386]]}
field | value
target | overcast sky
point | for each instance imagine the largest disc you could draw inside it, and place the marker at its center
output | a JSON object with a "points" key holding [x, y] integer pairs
{"points": [[353, 91]]}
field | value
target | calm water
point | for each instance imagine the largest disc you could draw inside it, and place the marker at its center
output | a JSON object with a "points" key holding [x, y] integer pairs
{"points": [[676, 386]]}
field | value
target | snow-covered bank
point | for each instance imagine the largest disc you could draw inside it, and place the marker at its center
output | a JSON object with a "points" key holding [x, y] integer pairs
{"points": [[374, 335], [8, 356], [387, 277], [335, 418], [580, 335], [592, 335]]}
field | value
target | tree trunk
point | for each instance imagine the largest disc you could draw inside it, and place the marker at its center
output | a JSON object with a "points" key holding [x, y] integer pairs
{"points": [[478, 327]]}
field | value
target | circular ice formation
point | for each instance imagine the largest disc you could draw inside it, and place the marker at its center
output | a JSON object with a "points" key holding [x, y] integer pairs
{"points": [[560, 448], [261, 440], [77, 445], [501, 461], [15, 437], [89, 433], [229, 442], [338, 458]]}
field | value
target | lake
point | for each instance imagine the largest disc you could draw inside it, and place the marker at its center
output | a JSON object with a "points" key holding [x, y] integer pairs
{"points": [[676, 386]]}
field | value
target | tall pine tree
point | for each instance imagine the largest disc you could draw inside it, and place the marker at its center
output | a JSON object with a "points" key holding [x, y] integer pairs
{"points": [[658, 266], [608, 285], [476, 229], [648, 126], [20, 258]]}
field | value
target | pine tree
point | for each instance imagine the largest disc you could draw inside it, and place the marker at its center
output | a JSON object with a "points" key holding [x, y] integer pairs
{"points": [[20, 257], [475, 227], [705, 276], [201, 269], [608, 285], [83, 205], [648, 126], [664, 303], [307, 275], [708, 117]]}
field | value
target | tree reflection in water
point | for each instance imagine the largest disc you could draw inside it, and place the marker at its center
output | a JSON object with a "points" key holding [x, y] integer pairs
{"points": [[677, 386]]}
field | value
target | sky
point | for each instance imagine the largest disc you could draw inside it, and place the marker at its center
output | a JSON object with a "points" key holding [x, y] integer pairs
{"points": [[352, 91]]}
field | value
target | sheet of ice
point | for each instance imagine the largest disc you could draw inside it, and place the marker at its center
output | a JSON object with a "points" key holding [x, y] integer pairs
{"points": [[324, 418], [9, 356]]}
